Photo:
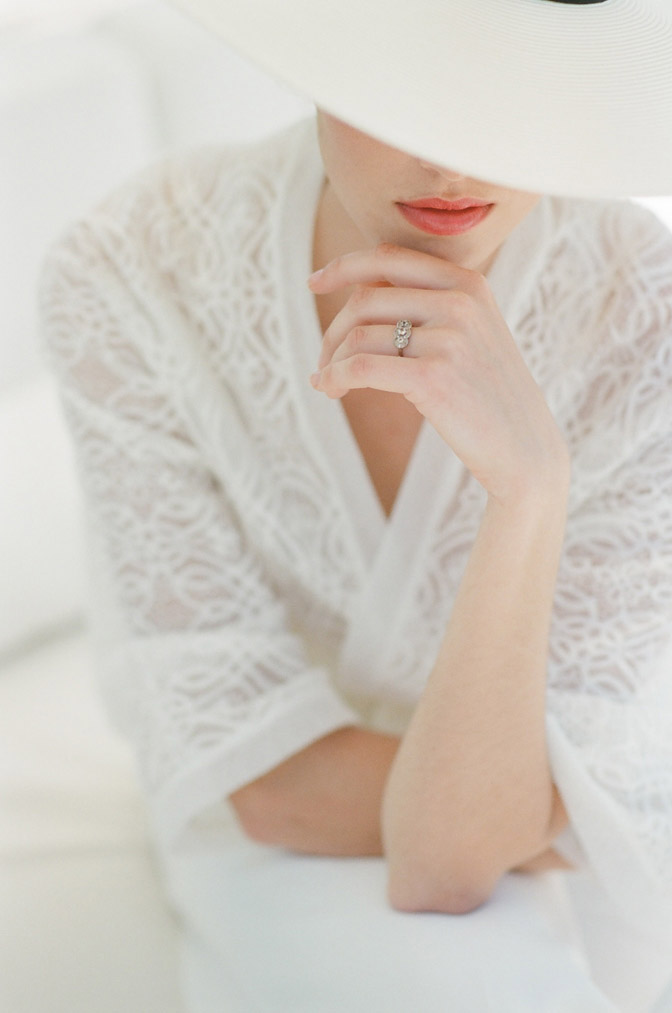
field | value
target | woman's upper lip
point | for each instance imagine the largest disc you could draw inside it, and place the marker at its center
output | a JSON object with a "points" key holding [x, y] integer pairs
{"points": [[446, 205]]}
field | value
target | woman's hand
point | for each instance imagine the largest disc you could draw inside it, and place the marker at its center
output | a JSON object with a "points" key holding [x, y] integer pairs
{"points": [[462, 369]]}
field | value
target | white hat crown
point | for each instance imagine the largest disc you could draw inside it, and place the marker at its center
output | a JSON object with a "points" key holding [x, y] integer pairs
{"points": [[570, 97]]}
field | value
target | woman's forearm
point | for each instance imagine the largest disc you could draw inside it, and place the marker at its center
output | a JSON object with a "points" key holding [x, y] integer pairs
{"points": [[467, 794], [324, 800], [470, 793]]}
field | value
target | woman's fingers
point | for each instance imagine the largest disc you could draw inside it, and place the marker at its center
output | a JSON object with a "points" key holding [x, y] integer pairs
{"points": [[394, 283], [367, 306], [378, 339], [396, 265], [393, 373]]}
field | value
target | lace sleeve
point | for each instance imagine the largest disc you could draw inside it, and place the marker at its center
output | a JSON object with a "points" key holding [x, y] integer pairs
{"points": [[198, 667], [610, 666]]}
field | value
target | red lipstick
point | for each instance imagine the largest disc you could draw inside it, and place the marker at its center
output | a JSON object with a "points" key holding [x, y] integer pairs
{"points": [[445, 218], [446, 205]]}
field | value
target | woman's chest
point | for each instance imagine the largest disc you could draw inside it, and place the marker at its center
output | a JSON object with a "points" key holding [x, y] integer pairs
{"points": [[385, 427]]}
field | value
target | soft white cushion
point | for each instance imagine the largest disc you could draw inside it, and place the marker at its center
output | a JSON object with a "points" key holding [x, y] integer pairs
{"points": [[85, 934], [84, 927], [42, 585], [67, 781]]}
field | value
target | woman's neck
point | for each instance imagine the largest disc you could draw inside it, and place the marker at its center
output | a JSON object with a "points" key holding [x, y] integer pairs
{"points": [[334, 235], [335, 232]]}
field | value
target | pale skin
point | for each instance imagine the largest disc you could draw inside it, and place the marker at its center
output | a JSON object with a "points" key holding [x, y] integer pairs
{"points": [[466, 794]]}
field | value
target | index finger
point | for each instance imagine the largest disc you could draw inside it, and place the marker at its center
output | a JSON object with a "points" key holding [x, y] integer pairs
{"points": [[396, 265]]}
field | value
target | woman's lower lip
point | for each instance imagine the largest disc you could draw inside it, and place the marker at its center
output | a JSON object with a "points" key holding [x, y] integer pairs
{"points": [[444, 223]]}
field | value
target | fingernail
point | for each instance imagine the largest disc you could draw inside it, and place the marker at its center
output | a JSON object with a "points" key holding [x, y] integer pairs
{"points": [[315, 275], [315, 378]]}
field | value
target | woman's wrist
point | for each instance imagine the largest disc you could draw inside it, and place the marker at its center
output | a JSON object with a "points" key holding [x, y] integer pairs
{"points": [[539, 488]]}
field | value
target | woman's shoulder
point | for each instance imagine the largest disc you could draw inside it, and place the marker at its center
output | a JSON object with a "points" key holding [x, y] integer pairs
{"points": [[606, 325], [180, 201], [615, 239], [606, 274]]}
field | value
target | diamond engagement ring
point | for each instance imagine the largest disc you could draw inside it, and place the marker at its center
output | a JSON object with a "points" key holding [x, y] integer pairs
{"points": [[402, 334]]}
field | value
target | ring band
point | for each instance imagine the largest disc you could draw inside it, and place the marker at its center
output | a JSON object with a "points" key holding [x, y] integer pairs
{"points": [[402, 334]]}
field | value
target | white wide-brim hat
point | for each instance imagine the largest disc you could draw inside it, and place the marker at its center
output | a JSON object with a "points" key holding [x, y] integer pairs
{"points": [[566, 97]]}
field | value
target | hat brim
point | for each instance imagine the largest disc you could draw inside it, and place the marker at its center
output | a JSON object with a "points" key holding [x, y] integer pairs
{"points": [[559, 98]]}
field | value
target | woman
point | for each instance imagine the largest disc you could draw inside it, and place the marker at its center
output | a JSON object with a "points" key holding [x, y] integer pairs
{"points": [[415, 611]]}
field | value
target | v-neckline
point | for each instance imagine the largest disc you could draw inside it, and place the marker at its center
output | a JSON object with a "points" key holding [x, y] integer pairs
{"points": [[327, 418], [328, 429]]}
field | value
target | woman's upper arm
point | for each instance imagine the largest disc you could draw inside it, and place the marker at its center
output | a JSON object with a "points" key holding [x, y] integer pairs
{"points": [[199, 666], [610, 691], [609, 727]]}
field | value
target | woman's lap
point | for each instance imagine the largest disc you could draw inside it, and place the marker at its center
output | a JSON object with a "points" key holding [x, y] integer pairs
{"points": [[269, 932]]}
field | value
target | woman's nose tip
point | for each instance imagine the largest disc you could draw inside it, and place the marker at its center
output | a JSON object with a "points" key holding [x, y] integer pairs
{"points": [[442, 170]]}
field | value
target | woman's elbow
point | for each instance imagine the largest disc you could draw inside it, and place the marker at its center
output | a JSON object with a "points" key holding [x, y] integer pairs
{"points": [[413, 887], [256, 813]]}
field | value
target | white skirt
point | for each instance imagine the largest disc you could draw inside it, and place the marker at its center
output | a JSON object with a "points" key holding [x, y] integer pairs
{"points": [[265, 931]]}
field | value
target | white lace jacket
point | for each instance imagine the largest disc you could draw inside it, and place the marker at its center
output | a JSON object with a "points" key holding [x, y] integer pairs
{"points": [[249, 594]]}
